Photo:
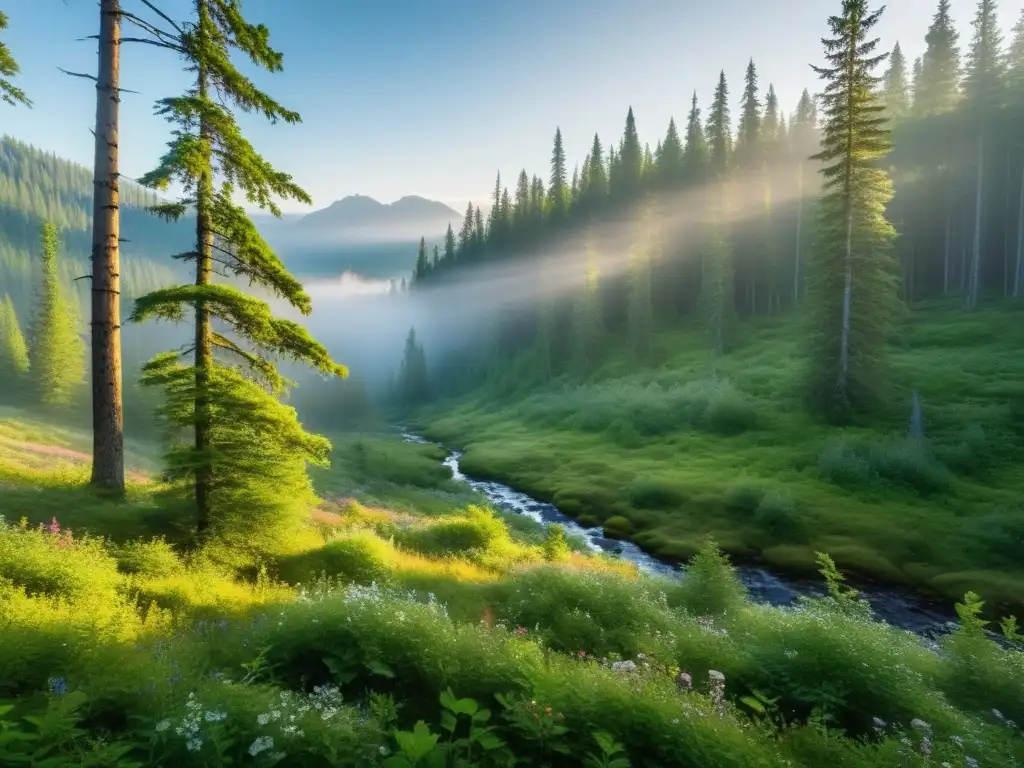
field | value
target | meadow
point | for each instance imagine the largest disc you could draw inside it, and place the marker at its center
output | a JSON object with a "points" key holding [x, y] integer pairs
{"points": [[668, 454], [410, 625]]}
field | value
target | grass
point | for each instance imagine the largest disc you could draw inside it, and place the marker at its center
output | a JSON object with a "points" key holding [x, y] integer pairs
{"points": [[443, 636], [691, 447]]}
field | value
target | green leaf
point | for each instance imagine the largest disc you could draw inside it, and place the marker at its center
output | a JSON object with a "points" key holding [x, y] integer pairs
{"points": [[417, 743], [378, 667], [448, 721], [482, 716], [753, 703], [398, 761]]}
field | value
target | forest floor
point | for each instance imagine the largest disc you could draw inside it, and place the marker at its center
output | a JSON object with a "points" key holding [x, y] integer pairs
{"points": [[666, 454]]}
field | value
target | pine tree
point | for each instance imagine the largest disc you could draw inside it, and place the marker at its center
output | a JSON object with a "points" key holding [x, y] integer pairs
{"points": [[14, 366], [748, 138], [624, 183], [896, 89], [466, 231], [413, 382], [670, 158], [422, 268], [56, 352], [771, 124], [521, 211], [597, 177], [449, 246], [9, 93], [494, 223], [719, 130], [247, 461], [983, 91], [853, 283], [695, 153], [557, 190], [937, 87]]}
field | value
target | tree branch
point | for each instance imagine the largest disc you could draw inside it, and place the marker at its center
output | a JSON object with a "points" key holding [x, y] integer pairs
{"points": [[77, 74], [163, 16]]}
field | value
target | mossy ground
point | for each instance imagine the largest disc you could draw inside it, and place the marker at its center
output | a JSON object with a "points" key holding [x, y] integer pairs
{"points": [[693, 446]]}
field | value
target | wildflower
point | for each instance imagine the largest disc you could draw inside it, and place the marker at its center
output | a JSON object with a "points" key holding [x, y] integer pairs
{"points": [[215, 717], [926, 747], [958, 740], [58, 686], [879, 725], [262, 744], [194, 744], [920, 725], [162, 726], [582, 654], [521, 631], [624, 666], [998, 715], [970, 762], [547, 710], [684, 682], [263, 719], [53, 527]]}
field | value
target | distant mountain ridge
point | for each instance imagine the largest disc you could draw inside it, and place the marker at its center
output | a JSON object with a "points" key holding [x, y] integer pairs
{"points": [[359, 216]]}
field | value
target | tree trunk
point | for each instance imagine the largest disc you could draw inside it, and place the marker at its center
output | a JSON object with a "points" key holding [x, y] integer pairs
{"points": [[204, 335], [843, 381], [107, 412], [971, 301], [1020, 236]]}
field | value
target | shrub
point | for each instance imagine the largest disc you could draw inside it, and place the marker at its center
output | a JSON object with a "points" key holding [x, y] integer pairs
{"points": [[153, 558], [617, 526], [775, 514], [478, 530], [359, 557], [653, 493], [709, 586], [744, 498], [53, 562], [556, 547], [906, 462]]}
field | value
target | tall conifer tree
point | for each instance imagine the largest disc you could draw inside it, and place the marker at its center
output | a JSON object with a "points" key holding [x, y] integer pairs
{"points": [[695, 153], [557, 189], [748, 136], [938, 87], [853, 278], [14, 365], [670, 158], [56, 352], [246, 460]]}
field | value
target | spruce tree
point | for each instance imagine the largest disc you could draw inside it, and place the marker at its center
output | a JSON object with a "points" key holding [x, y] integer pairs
{"points": [[597, 177], [449, 246], [9, 93], [938, 86], [558, 192], [983, 91], [896, 89], [853, 274], [748, 137], [422, 268], [695, 153], [56, 351], [670, 158], [246, 461], [521, 210], [719, 130], [625, 181], [14, 364], [466, 232], [771, 123]]}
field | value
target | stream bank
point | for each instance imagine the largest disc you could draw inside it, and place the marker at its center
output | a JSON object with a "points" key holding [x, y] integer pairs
{"points": [[896, 608]]}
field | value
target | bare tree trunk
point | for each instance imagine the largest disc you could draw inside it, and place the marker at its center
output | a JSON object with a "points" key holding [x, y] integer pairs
{"points": [[971, 301], [1006, 227], [107, 411], [1020, 236], [843, 382]]}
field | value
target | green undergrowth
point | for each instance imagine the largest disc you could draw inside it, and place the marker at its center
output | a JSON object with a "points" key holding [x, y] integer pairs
{"points": [[129, 654], [691, 447]]}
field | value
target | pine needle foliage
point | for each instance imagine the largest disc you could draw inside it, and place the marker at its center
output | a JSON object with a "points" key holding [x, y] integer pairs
{"points": [[9, 93], [57, 352], [853, 274], [246, 460]]}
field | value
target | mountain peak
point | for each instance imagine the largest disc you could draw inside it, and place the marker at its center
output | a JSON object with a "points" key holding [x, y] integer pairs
{"points": [[360, 216]]}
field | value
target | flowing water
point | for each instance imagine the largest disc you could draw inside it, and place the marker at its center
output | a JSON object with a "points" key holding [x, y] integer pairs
{"points": [[896, 608]]}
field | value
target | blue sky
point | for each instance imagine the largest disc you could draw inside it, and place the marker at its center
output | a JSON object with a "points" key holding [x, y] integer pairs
{"points": [[431, 98]]}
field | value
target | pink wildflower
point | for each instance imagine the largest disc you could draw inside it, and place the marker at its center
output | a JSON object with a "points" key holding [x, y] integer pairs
{"points": [[53, 527]]}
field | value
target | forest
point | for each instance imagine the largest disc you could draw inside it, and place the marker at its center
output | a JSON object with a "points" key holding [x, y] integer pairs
{"points": [[706, 454]]}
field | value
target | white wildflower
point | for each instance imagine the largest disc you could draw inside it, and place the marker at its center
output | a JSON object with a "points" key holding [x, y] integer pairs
{"points": [[215, 717], [194, 745], [919, 724], [263, 719], [262, 744], [970, 762], [163, 725]]}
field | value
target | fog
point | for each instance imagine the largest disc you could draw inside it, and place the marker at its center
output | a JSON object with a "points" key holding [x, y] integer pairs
{"points": [[365, 327]]}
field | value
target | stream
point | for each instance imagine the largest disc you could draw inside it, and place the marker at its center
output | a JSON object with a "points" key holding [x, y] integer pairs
{"points": [[891, 606]]}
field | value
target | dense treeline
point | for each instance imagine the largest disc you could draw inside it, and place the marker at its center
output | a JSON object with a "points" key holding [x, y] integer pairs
{"points": [[731, 207]]}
